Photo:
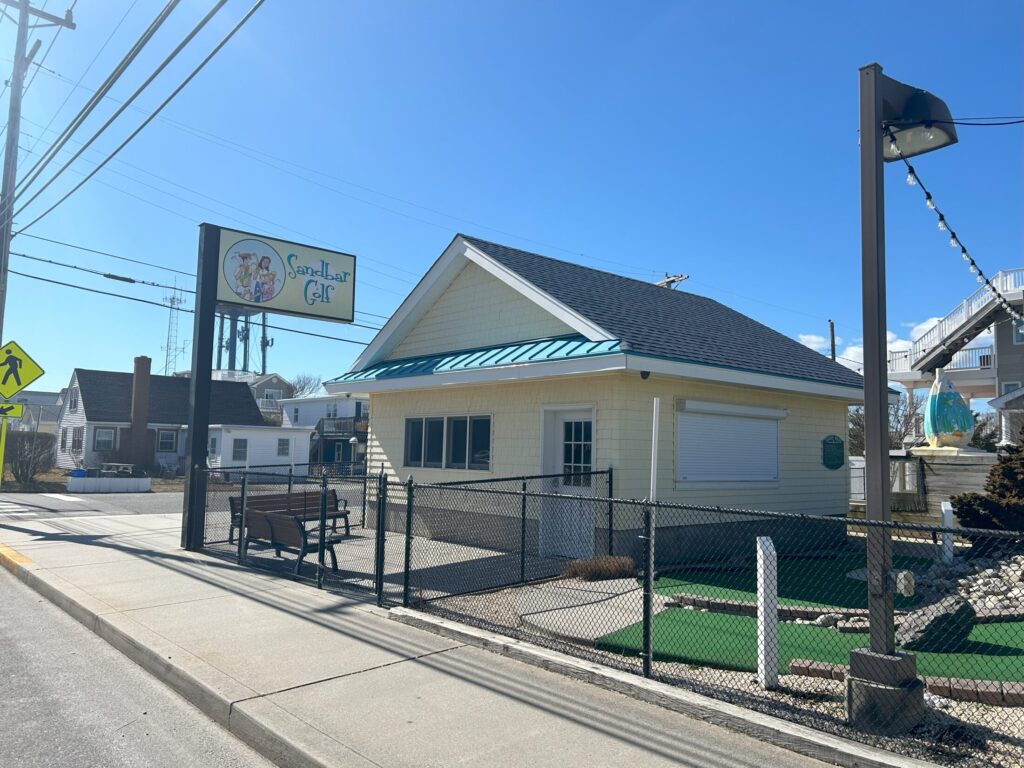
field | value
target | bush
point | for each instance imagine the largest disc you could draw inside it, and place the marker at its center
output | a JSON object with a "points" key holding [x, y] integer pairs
{"points": [[601, 568], [1001, 507], [29, 453]]}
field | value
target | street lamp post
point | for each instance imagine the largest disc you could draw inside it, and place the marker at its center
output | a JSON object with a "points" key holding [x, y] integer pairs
{"points": [[883, 693]]}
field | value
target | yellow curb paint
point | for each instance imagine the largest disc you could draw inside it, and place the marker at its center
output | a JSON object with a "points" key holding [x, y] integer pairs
{"points": [[12, 558]]}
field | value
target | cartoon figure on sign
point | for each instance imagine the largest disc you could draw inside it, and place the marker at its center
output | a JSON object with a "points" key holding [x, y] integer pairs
{"points": [[12, 363], [244, 274], [252, 269]]}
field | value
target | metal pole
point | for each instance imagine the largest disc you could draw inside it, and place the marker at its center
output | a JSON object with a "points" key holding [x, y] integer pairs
{"points": [[832, 338], [241, 520], [408, 541], [648, 651], [362, 513], [876, 405], [654, 450], [323, 529], [611, 514], [220, 342], [263, 346], [232, 339], [291, 480], [522, 535], [382, 500]]}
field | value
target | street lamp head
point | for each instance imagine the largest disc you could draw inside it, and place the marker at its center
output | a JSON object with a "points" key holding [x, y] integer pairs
{"points": [[918, 120]]}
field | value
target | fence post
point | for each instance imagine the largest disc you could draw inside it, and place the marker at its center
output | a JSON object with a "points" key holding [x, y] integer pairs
{"points": [[290, 479], [648, 651], [767, 614], [408, 541], [241, 520], [611, 514], [320, 547], [362, 515], [522, 535], [947, 535], [378, 566]]}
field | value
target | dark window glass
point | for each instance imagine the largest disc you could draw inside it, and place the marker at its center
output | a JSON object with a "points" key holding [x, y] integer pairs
{"points": [[64, 439], [433, 443], [414, 442], [457, 442], [480, 442]]}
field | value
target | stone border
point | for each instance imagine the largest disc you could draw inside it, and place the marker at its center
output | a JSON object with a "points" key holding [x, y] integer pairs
{"points": [[791, 736], [992, 692]]}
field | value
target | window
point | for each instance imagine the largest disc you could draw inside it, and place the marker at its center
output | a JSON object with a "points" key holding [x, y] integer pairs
{"points": [[284, 446], [64, 439], [167, 441], [1008, 386], [103, 439], [1018, 333], [332, 410], [272, 394], [240, 449], [455, 442], [295, 415], [77, 438], [213, 445], [577, 451], [721, 445], [73, 399]]}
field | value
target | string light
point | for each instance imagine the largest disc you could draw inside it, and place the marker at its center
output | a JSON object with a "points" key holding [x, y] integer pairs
{"points": [[954, 242]]}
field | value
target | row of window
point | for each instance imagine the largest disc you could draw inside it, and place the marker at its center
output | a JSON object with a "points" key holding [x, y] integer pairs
{"points": [[452, 442], [104, 439]]}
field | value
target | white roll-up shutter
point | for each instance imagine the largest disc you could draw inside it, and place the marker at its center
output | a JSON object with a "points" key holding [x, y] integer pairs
{"points": [[726, 448]]}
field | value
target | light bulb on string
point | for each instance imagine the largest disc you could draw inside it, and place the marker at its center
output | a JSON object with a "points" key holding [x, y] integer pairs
{"points": [[929, 202], [893, 149], [964, 255], [973, 268], [980, 279], [942, 223], [911, 180], [953, 242]]}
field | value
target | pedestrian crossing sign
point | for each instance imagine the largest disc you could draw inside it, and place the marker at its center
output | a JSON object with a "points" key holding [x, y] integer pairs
{"points": [[12, 410], [17, 370]]}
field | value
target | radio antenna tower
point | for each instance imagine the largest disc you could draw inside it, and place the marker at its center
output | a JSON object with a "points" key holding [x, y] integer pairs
{"points": [[171, 349]]}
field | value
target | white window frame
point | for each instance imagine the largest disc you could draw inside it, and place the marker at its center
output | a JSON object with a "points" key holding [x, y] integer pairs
{"points": [[213, 445], [295, 415], [286, 443], [331, 410], [444, 463], [1005, 388], [702, 408], [159, 436], [245, 449], [73, 400], [96, 438], [273, 394]]}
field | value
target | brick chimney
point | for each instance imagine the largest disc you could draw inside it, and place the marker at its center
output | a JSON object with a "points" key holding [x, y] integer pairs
{"points": [[138, 434]]}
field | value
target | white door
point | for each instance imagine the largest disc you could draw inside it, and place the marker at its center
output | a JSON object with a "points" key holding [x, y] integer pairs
{"points": [[566, 525]]}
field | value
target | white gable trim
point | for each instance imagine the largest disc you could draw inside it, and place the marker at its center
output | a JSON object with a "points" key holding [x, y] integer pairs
{"points": [[436, 282]]}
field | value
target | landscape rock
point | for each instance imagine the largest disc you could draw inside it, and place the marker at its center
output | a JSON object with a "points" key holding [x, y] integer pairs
{"points": [[940, 626]]}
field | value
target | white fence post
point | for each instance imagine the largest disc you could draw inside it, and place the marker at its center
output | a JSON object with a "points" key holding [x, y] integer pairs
{"points": [[947, 536], [767, 614]]}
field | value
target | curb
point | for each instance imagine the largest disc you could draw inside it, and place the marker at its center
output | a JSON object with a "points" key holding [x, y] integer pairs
{"points": [[236, 708], [797, 738]]}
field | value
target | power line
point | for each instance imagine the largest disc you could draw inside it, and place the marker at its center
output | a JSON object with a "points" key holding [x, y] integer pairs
{"points": [[118, 112], [178, 309], [108, 254]]}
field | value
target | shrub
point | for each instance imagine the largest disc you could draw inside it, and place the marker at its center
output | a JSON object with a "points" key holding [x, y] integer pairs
{"points": [[28, 453], [601, 568], [1001, 507]]}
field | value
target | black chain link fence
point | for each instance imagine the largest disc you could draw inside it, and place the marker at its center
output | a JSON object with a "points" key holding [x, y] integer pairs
{"points": [[672, 591]]}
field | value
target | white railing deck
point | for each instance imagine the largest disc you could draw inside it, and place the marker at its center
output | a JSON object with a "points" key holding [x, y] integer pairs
{"points": [[1005, 281], [974, 358]]}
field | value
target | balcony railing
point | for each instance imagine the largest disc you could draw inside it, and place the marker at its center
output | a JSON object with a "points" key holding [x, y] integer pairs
{"points": [[268, 404], [341, 425], [972, 359]]}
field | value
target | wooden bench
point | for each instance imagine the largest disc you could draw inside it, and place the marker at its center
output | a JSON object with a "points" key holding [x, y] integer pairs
{"points": [[280, 520]]}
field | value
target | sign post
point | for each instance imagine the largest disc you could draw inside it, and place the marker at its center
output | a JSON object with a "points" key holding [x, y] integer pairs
{"points": [[245, 272]]}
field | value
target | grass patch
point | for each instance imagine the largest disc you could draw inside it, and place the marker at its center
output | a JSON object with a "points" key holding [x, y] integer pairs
{"points": [[816, 582], [992, 652], [601, 568]]}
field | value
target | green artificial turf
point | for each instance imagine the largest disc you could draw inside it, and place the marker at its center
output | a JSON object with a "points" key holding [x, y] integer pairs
{"points": [[815, 582], [992, 652]]}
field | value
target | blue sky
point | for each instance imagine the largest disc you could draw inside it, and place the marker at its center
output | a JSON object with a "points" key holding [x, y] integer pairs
{"points": [[713, 139]]}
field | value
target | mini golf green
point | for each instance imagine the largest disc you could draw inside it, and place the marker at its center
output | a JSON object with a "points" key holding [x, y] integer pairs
{"points": [[815, 582], [992, 652]]}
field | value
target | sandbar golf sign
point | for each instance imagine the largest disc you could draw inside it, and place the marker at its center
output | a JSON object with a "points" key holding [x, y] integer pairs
{"points": [[263, 274]]}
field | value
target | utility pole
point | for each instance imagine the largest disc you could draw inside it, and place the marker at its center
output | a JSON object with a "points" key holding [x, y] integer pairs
{"points": [[264, 343], [220, 343], [832, 338], [10, 171], [670, 281], [232, 338]]}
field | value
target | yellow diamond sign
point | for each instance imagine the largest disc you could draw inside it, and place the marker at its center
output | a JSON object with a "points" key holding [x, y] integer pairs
{"points": [[17, 370], [12, 410]]}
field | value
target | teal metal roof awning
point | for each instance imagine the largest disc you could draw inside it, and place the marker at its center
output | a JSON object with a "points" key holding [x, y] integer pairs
{"points": [[520, 353]]}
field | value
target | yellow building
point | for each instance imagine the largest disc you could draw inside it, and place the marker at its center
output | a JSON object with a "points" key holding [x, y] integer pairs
{"points": [[503, 363]]}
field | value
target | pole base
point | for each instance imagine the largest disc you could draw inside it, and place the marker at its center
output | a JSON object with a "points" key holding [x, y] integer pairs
{"points": [[884, 696]]}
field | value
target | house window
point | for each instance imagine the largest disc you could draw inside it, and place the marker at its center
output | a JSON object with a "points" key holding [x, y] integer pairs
{"points": [[295, 415], [103, 439], [455, 442], [272, 394], [213, 445], [240, 449], [167, 441], [283, 446], [721, 445], [73, 399], [577, 451], [332, 410], [64, 439], [1008, 386], [77, 438]]}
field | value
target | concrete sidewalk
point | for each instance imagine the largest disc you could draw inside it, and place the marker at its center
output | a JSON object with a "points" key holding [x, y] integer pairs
{"points": [[315, 679]]}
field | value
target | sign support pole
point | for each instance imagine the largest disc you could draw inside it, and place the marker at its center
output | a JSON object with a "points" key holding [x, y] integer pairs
{"points": [[3, 446], [193, 523]]}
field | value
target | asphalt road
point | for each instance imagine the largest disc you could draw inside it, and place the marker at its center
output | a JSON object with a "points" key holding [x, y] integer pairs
{"points": [[36, 506], [68, 699]]}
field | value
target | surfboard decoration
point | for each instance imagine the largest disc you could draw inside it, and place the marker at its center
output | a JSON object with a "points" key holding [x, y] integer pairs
{"points": [[948, 421]]}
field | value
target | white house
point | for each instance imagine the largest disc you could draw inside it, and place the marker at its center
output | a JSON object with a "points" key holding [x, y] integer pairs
{"points": [[334, 421], [240, 447]]}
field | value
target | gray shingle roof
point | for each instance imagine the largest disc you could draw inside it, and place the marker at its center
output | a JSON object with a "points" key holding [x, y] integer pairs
{"points": [[107, 396], [677, 325]]}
